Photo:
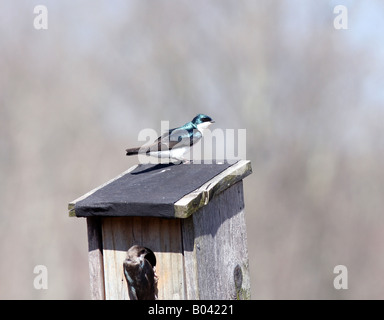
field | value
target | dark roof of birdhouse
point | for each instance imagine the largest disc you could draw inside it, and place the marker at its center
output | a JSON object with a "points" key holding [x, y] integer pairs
{"points": [[162, 190]]}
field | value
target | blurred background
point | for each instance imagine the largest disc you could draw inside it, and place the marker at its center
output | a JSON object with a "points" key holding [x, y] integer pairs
{"points": [[311, 98]]}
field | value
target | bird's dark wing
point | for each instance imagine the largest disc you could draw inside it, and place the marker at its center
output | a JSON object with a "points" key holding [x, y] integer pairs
{"points": [[175, 138], [140, 280]]}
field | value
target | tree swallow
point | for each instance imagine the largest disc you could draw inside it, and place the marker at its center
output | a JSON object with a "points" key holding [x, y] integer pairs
{"points": [[140, 273], [176, 142]]}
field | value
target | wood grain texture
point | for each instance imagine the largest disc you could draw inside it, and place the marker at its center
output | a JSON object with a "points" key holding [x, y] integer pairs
{"points": [[215, 249], [162, 236], [95, 258], [193, 201]]}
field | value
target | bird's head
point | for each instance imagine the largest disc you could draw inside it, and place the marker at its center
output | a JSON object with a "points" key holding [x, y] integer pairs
{"points": [[136, 255], [202, 121]]}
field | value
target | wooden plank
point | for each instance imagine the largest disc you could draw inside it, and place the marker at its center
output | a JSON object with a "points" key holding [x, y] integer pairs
{"points": [[201, 196], [71, 205], [215, 248], [95, 258], [190, 261], [162, 236]]}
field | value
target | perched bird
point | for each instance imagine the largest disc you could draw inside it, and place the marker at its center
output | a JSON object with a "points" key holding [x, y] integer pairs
{"points": [[140, 273], [176, 142]]}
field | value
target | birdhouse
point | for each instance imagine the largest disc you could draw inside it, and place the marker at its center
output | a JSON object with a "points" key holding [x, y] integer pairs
{"points": [[185, 222]]}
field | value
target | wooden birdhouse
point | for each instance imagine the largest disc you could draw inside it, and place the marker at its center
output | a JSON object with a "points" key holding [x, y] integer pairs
{"points": [[191, 216]]}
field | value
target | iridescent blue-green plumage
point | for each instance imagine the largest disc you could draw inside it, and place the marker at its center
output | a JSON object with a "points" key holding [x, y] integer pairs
{"points": [[201, 118]]}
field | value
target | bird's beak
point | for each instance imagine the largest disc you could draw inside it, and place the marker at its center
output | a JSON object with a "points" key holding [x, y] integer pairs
{"points": [[213, 121]]}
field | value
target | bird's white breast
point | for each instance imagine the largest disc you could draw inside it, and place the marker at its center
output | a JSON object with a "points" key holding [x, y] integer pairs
{"points": [[202, 126], [176, 153]]}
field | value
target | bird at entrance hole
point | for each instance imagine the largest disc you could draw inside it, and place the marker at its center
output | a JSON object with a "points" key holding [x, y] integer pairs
{"points": [[140, 273]]}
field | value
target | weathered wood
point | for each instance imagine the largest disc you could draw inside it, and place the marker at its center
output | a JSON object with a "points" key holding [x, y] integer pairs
{"points": [[215, 249], [95, 258], [202, 256], [162, 236], [201, 196], [190, 261]]}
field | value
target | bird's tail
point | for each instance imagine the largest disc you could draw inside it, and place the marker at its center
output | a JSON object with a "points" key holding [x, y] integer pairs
{"points": [[132, 151]]}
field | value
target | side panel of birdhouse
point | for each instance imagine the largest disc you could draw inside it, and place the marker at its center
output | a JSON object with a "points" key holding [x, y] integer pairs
{"points": [[215, 248]]}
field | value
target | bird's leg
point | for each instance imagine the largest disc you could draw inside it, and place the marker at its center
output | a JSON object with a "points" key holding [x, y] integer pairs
{"points": [[186, 160], [180, 160]]}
